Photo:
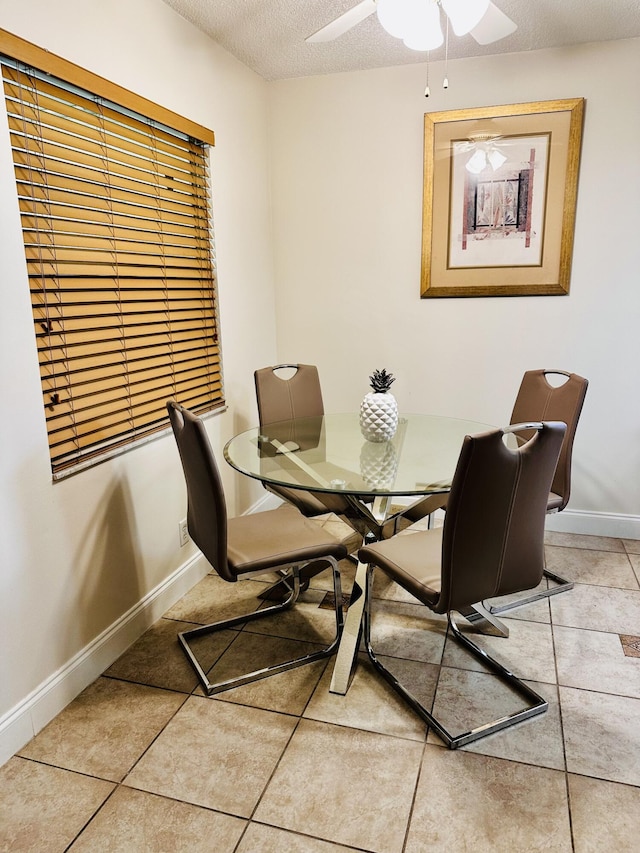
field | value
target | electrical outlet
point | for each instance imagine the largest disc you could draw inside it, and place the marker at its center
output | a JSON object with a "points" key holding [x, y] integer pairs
{"points": [[183, 532]]}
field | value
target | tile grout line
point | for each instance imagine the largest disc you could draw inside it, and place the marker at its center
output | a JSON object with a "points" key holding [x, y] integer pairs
{"points": [[560, 715], [278, 762]]}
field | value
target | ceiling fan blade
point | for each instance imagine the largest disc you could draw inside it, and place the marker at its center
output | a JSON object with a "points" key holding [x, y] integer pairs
{"points": [[494, 25], [345, 22]]}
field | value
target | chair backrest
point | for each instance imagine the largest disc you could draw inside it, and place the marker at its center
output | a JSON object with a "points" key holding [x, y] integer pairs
{"points": [[538, 400], [493, 536], [281, 399], [206, 506]]}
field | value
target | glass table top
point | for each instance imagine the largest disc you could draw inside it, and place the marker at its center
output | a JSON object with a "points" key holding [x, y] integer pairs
{"points": [[329, 454]]}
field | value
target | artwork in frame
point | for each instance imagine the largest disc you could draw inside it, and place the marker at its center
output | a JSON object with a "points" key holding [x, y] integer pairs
{"points": [[500, 189]]}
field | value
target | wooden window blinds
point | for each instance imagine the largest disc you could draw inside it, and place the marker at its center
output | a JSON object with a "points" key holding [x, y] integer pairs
{"points": [[117, 234]]}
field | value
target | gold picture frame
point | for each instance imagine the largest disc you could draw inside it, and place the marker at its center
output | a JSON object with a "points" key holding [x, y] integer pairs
{"points": [[500, 191]]}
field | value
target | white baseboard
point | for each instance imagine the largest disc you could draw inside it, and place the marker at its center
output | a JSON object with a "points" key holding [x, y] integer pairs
{"points": [[21, 723], [587, 523], [266, 502], [595, 523]]}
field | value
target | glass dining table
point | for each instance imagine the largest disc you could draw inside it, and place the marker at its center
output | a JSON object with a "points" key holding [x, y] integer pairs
{"points": [[379, 480]]}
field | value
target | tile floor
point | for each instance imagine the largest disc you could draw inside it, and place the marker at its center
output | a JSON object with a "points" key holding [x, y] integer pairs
{"points": [[142, 761]]}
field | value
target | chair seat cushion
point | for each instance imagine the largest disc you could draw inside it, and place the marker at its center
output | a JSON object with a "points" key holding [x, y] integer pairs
{"points": [[278, 537], [412, 560], [554, 502]]}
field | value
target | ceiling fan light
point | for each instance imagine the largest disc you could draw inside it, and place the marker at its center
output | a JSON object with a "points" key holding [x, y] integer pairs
{"points": [[465, 14], [427, 32], [477, 162], [393, 16], [398, 17], [424, 41]]}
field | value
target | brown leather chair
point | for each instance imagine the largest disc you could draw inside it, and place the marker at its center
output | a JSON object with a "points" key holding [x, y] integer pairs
{"points": [[282, 399], [558, 403], [277, 540], [537, 400], [492, 544]]}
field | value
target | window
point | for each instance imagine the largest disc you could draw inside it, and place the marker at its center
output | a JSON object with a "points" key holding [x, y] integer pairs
{"points": [[117, 233]]}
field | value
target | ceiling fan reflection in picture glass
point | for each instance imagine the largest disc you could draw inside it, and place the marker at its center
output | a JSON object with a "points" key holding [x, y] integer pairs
{"points": [[418, 24]]}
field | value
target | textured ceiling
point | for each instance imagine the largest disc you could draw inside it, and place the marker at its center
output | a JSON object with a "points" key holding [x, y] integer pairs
{"points": [[269, 35]]}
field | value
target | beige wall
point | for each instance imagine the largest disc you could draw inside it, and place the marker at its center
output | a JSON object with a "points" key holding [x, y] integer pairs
{"points": [[87, 562], [347, 200], [77, 556]]}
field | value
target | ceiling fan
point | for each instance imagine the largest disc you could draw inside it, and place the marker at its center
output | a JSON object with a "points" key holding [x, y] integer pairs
{"points": [[417, 22]]}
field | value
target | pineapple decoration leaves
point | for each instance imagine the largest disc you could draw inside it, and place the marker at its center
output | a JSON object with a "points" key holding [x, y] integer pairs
{"points": [[381, 381], [379, 409]]}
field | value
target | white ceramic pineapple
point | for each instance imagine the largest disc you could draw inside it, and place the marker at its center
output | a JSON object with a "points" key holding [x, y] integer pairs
{"points": [[379, 409]]}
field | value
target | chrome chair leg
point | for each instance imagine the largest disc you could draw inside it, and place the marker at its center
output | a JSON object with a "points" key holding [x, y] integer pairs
{"points": [[294, 584], [537, 704], [281, 589], [482, 618], [562, 585]]}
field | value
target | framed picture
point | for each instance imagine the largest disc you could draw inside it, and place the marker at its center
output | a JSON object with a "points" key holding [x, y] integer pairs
{"points": [[500, 188]]}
